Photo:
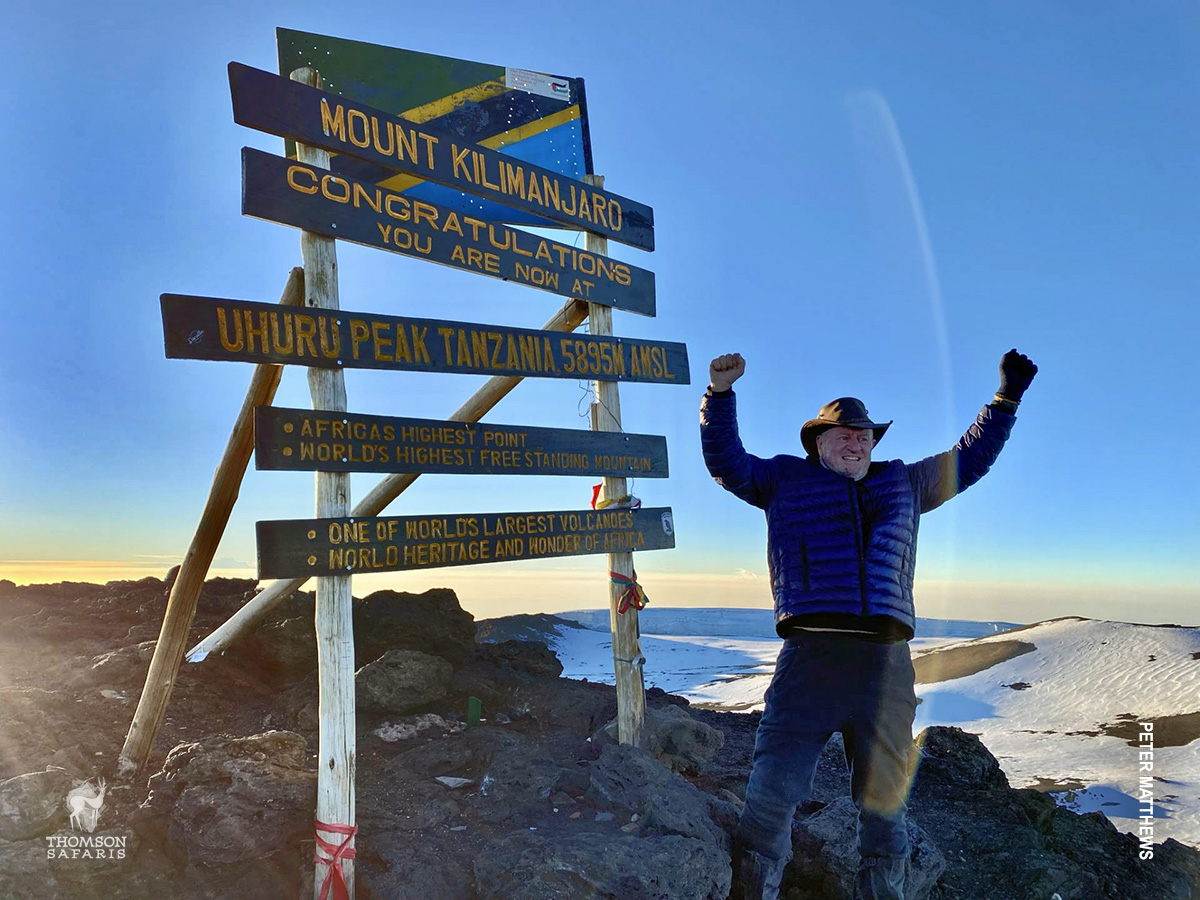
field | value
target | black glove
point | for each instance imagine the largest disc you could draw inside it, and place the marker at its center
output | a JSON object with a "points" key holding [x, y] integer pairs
{"points": [[1016, 372]]}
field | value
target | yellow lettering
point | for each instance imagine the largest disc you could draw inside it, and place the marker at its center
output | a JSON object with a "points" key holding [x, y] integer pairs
{"points": [[406, 142], [457, 156], [360, 191], [306, 330], [358, 333], [422, 210], [382, 344], [387, 129], [234, 344], [328, 180], [294, 170], [334, 123], [515, 179], [353, 116]]}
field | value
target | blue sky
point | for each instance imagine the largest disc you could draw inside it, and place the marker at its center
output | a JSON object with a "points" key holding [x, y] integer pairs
{"points": [[876, 201]]}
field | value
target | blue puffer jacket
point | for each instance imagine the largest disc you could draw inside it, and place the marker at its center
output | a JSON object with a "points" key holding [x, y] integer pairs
{"points": [[838, 548]]}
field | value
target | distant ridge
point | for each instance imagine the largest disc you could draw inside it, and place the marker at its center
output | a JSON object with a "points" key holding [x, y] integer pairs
{"points": [[756, 623]]}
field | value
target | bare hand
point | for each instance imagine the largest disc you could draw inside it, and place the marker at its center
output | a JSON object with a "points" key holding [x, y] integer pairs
{"points": [[725, 370]]}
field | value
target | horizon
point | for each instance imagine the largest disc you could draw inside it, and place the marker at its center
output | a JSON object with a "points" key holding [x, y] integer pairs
{"points": [[509, 591]]}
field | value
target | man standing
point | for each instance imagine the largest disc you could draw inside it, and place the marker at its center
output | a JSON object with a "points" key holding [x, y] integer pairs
{"points": [[841, 544]]}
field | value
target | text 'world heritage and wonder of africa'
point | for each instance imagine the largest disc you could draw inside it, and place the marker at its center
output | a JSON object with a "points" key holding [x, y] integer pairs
{"points": [[345, 546]]}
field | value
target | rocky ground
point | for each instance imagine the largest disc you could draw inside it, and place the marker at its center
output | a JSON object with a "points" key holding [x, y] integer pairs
{"points": [[536, 802]]}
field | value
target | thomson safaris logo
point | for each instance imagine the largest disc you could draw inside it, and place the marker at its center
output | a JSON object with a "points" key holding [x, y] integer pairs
{"points": [[85, 802]]}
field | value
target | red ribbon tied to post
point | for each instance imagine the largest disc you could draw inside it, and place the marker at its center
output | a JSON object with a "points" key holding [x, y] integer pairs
{"points": [[633, 595], [627, 502], [335, 878]]}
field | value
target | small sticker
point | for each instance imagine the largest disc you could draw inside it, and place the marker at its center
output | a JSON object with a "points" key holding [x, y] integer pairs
{"points": [[537, 83], [196, 336], [668, 525]]}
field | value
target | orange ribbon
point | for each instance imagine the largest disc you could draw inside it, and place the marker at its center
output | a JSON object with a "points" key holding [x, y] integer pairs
{"points": [[335, 878]]}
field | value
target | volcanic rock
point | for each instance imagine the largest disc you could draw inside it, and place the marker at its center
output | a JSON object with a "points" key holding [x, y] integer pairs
{"points": [[631, 781], [33, 804], [402, 680], [600, 866], [526, 656], [431, 622], [237, 799], [825, 856]]}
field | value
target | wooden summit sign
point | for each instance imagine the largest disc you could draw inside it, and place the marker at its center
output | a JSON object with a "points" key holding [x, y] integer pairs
{"points": [[267, 102], [309, 440], [346, 545], [318, 201], [248, 331]]}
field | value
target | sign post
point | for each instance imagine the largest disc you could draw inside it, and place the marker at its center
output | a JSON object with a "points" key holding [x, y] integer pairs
{"points": [[626, 644], [334, 613]]}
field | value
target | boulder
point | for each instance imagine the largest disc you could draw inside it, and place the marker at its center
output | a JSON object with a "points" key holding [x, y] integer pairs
{"points": [[432, 622], [25, 872], [287, 648], [600, 865], [576, 707], [953, 759], [672, 735], [413, 870], [826, 855], [630, 781], [121, 668], [525, 656], [402, 680], [33, 804], [237, 799]]}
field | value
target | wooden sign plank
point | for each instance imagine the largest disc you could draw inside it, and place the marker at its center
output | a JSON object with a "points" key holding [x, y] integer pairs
{"points": [[289, 548], [316, 200], [312, 441], [267, 102], [247, 331]]}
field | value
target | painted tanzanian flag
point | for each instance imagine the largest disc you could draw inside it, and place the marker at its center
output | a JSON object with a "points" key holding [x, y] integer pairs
{"points": [[530, 116]]}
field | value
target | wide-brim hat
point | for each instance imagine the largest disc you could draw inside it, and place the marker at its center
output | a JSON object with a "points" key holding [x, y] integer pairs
{"points": [[848, 412]]}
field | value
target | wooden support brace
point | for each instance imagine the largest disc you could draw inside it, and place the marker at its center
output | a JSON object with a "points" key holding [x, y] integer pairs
{"points": [[181, 605]]}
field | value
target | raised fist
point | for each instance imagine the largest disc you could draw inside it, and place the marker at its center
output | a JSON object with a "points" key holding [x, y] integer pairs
{"points": [[725, 370], [1016, 372]]}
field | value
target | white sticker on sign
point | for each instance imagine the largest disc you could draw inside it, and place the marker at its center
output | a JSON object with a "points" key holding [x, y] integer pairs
{"points": [[537, 83]]}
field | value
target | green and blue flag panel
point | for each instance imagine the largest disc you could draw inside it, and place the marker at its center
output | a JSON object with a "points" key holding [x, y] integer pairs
{"points": [[530, 116]]}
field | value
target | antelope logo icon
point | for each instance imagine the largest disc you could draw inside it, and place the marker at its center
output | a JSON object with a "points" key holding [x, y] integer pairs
{"points": [[85, 803]]}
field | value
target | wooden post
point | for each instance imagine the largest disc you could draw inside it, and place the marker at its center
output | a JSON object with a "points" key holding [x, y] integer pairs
{"points": [[495, 389], [181, 605], [626, 643], [334, 614]]}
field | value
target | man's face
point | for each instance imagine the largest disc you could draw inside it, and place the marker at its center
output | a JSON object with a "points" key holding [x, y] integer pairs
{"points": [[846, 451]]}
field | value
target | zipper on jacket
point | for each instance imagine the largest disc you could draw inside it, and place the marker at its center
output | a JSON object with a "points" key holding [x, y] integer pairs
{"points": [[862, 550], [804, 562]]}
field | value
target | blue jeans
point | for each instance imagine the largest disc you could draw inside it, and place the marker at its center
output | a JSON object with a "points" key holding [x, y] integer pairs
{"points": [[823, 683]]}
